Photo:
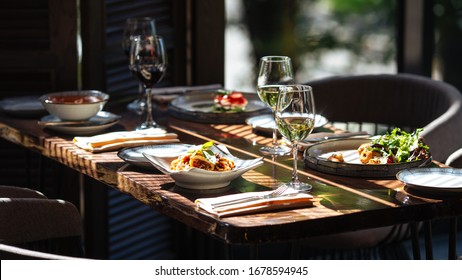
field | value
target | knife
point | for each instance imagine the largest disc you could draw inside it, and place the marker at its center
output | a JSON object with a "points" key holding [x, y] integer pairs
{"points": [[337, 136]]}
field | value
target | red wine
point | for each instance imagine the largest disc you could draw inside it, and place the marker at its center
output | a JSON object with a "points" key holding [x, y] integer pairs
{"points": [[149, 75]]}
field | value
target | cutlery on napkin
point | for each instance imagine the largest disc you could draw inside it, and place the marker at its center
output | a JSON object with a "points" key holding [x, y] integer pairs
{"points": [[289, 200], [114, 140]]}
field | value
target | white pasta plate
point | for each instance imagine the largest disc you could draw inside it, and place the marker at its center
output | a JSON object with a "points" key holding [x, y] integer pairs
{"points": [[161, 156]]}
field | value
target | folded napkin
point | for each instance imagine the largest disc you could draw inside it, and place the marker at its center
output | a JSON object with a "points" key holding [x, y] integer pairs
{"points": [[115, 140], [289, 200]]}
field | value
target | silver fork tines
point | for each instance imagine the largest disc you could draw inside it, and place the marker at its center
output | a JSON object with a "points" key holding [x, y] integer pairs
{"points": [[277, 192]]}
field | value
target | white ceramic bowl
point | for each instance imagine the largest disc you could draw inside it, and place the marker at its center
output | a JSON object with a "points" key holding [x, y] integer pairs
{"points": [[161, 156], [74, 105]]}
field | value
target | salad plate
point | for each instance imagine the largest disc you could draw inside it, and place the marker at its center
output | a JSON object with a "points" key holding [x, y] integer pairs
{"points": [[199, 107], [438, 181], [160, 157], [316, 157]]}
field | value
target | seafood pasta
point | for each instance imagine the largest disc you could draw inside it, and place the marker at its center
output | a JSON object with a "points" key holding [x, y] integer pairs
{"points": [[204, 158]]}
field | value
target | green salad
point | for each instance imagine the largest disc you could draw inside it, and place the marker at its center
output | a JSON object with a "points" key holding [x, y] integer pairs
{"points": [[399, 146]]}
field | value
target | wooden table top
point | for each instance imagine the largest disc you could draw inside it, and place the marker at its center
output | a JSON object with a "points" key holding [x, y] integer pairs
{"points": [[345, 203]]}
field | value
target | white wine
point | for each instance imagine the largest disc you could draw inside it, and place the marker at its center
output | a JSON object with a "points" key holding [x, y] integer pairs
{"points": [[269, 95], [295, 127]]}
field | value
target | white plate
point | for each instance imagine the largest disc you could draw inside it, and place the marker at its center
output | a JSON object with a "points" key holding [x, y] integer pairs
{"points": [[316, 158], [432, 180], [160, 157], [266, 122], [134, 155], [198, 107], [100, 122], [26, 106]]}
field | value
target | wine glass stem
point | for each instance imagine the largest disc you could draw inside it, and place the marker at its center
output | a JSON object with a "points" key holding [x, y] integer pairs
{"points": [[275, 132], [149, 119], [295, 159], [141, 92]]}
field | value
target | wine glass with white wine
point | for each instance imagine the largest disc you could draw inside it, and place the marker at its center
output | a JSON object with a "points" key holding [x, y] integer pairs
{"points": [[295, 119], [274, 72]]}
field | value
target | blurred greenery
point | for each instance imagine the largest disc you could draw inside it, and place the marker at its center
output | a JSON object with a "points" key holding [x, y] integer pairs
{"points": [[448, 37], [306, 29], [356, 36]]}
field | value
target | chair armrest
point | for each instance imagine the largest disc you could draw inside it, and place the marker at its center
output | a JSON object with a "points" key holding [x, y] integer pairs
{"points": [[455, 159], [8, 252]]}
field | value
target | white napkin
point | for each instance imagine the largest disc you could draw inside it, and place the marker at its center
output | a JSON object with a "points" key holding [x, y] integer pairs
{"points": [[115, 140], [289, 200]]}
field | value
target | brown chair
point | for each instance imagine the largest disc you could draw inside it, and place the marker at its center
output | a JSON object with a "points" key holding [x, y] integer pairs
{"points": [[30, 220], [379, 103]]}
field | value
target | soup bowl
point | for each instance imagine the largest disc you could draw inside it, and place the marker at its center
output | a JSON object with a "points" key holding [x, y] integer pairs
{"points": [[74, 105]]}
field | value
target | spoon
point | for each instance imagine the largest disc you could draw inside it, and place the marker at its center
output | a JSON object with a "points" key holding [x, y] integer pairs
{"points": [[84, 122]]}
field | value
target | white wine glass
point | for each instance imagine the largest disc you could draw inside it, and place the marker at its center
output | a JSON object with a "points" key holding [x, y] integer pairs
{"points": [[137, 26], [274, 71], [295, 119], [148, 62]]}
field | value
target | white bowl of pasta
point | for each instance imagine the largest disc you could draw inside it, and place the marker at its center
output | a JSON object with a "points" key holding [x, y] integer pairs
{"points": [[190, 166]]}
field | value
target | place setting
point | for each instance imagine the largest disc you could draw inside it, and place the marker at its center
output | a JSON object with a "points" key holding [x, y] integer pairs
{"points": [[205, 168]]}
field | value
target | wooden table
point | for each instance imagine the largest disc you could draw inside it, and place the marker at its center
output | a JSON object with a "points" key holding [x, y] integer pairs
{"points": [[346, 203]]}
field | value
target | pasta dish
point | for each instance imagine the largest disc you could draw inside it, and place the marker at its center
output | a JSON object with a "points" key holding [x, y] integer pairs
{"points": [[204, 158]]}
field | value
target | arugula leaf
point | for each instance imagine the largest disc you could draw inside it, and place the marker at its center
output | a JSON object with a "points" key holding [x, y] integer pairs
{"points": [[401, 145]]}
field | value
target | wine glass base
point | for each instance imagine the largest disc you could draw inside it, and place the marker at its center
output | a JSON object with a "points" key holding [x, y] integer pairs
{"points": [[300, 186], [275, 150], [145, 126]]}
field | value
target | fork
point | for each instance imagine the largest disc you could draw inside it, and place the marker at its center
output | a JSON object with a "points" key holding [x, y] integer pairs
{"points": [[277, 192]]}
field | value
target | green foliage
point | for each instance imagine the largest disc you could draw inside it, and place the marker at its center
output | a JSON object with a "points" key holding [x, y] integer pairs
{"points": [[358, 6], [365, 28]]}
